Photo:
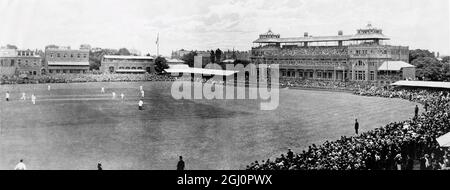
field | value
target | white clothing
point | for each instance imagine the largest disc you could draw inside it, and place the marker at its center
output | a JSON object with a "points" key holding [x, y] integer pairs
{"points": [[20, 166], [141, 103]]}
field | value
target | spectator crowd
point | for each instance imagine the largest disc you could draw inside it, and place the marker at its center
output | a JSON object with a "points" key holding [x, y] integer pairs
{"points": [[69, 78], [396, 146]]}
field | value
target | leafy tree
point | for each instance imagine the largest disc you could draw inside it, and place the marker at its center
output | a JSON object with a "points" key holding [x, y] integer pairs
{"points": [[160, 64], [51, 46], [446, 72], [218, 55], [189, 58], [9, 46], [446, 59], [95, 58], [414, 54], [428, 68], [212, 56], [124, 51]]}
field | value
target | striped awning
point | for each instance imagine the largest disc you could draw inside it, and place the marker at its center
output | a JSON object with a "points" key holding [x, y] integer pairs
{"points": [[68, 63]]}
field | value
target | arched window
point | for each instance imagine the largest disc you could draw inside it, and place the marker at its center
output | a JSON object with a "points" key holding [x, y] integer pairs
{"points": [[120, 67], [127, 67], [133, 68], [140, 68], [111, 69]]}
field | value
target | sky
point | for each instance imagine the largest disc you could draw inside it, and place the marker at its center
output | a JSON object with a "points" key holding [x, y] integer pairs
{"points": [[212, 24]]}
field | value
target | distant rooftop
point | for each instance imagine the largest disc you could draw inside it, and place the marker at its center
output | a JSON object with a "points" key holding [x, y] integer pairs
{"points": [[368, 33]]}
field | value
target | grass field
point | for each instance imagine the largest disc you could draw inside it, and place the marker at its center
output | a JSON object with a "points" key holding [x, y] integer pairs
{"points": [[73, 126]]}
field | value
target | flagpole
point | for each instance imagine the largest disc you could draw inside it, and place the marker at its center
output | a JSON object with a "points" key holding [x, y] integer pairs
{"points": [[157, 45]]}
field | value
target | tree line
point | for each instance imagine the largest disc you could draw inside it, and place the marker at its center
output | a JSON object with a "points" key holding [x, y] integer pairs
{"points": [[428, 66]]}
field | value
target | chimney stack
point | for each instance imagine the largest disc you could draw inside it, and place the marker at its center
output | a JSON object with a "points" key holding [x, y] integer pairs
{"points": [[305, 34], [340, 32]]}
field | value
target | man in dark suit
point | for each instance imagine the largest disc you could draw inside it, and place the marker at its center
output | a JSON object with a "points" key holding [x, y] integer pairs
{"points": [[180, 165], [356, 126], [416, 111]]}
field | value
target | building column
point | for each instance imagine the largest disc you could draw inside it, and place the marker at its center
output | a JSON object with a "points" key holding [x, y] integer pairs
{"points": [[334, 75], [353, 73]]}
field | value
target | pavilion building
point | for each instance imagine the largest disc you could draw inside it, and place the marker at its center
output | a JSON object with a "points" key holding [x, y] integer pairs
{"points": [[60, 59], [127, 64], [363, 56]]}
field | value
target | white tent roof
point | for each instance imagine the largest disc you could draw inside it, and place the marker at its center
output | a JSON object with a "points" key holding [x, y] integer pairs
{"points": [[178, 66], [200, 71], [394, 66], [169, 61], [444, 140], [127, 57], [428, 84]]}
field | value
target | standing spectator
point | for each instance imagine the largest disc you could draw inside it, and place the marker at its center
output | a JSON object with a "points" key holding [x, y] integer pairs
{"points": [[409, 163], [180, 165], [356, 126], [290, 154], [103, 90], [398, 161], [99, 166], [416, 111], [20, 166], [122, 96]]}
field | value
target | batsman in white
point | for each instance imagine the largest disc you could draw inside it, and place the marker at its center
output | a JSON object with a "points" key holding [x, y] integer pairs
{"points": [[24, 97], [33, 99]]}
